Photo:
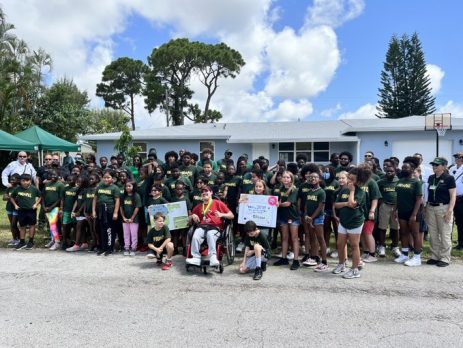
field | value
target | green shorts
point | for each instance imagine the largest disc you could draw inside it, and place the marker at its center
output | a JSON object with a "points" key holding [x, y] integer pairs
{"points": [[67, 219]]}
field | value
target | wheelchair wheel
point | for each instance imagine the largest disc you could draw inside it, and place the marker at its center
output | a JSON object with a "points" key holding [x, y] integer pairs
{"points": [[221, 268], [230, 245], [205, 270], [187, 266]]}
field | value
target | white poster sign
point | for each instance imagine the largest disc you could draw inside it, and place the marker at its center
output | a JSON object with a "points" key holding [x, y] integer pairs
{"points": [[176, 214], [259, 208]]}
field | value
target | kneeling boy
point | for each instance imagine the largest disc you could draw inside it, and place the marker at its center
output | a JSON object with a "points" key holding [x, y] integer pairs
{"points": [[158, 241], [257, 251]]}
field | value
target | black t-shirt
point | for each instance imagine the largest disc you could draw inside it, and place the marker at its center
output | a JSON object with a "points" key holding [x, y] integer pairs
{"points": [[438, 188]]}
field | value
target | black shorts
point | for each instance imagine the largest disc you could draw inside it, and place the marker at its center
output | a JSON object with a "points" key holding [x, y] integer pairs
{"points": [[27, 217], [406, 215]]}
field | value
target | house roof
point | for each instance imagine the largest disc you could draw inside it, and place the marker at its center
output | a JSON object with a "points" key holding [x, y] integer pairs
{"points": [[265, 132]]}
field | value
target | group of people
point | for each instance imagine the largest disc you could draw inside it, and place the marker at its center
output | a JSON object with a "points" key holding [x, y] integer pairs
{"points": [[87, 206]]}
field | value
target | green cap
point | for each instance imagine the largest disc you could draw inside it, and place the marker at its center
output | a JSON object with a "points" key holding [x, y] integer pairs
{"points": [[439, 160], [228, 151]]}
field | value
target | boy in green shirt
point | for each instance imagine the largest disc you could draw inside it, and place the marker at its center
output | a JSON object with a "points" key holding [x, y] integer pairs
{"points": [[158, 241], [257, 251], [25, 199]]}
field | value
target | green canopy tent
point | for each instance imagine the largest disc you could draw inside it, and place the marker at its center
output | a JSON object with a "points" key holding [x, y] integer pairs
{"points": [[10, 142], [46, 141]]}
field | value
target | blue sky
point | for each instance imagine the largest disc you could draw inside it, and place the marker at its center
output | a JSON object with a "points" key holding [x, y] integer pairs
{"points": [[306, 60]]}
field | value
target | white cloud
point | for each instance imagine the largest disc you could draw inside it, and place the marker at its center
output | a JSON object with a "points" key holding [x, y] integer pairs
{"points": [[333, 13], [365, 111], [289, 110], [455, 108], [331, 111], [436, 74]]}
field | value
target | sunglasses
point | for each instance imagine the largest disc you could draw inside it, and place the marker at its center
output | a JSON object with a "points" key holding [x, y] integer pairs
{"points": [[368, 156], [22, 156]]}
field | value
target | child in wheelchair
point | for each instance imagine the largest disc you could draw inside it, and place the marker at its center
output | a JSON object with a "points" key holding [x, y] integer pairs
{"points": [[257, 251], [158, 241]]}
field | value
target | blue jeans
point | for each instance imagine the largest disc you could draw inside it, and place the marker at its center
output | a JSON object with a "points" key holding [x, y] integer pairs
{"points": [[198, 239]]}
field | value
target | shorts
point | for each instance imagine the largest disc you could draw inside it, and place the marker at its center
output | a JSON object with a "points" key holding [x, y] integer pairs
{"points": [[294, 222], [251, 263], [387, 217], [368, 227], [80, 218], [13, 213], [319, 220], [27, 217], [343, 230], [67, 218], [406, 215], [151, 252]]}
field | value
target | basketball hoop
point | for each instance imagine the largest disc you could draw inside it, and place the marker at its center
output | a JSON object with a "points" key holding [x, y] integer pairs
{"points": [[440, 129], [439, 123]]}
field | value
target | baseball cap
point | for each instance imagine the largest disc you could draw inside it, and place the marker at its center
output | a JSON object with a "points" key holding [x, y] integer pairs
{"points": [[458, 155], [228, 151], [439, 161], [206, 188]]}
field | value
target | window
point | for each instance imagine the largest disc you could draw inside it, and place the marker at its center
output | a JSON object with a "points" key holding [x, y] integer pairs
{"points": [[143, 153], [315, 152], [207, 145]]}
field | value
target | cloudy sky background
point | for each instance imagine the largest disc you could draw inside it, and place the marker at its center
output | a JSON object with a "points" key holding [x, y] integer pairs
{"points": [[306, 60]]}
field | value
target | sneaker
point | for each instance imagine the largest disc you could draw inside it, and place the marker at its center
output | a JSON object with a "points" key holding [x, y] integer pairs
{"points": [[13, 242], [264, 266], [432, 262], [309, 262], [328, 251], [413, 262], [20, 246], [305, 258], [133, 253], [321, 267], [167, 265], [55, 246], [334, 254], [29, 245], [438, 264], [370, 259], [74, 248], [93, 249], [351, 274], [257, 274], [107, 252], [196, 261], [282, 262], [100, 252], [240, 247], [401, 259], [83, 247], [364, 256], [381, 251], [213, 261], [290, 255], [126, 253], [295, 265], [396, 252], [159, 261], [340, 268], [49, 244], [150, 254]]}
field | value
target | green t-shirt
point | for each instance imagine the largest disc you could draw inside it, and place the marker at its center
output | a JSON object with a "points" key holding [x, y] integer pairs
{"points": [[107, 194], [191, 172], [387, 189], [157, 237], [52, 192], [215, 167], [371, 192], [313, 200], [9, 205], [407, 190], [69, 197], [88, 198], [25, 197], [210, 180], [154, 201], [246, 183], [232, 184], [304, 189], [374, 177], [351, 218], [129, 203], [170, 183], [330, 188], [259, 239], [288, 195], [196, 197], [80, 203]]}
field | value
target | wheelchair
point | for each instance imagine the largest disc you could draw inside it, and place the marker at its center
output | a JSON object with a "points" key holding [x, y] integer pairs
{"points": [[225, 248]]}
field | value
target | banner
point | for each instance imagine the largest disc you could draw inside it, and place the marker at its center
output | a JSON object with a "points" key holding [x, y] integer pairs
{"points": [[259, 208], [176, 214]]}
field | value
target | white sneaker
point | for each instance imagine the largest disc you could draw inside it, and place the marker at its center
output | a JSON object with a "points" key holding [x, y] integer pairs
{"points": [[74, 248], [126, 253], [334, 254], [351, 274], [309, 262], [321, 267], [13, 242], [381, 251], [401, 259], [370, 259], [396, 252], [133, 253], [414, 261], [83, 246], [290, 255], [240, 247], [340, 268], [196, 261], [55, 246], [213, 261], [49, 244]]}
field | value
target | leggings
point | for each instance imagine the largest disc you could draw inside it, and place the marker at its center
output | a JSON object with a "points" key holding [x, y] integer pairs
{"points": [[107, 235], [53, 218]]}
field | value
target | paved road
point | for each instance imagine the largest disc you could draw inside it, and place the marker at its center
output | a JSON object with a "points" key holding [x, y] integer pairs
{"points": [[59, 299]]}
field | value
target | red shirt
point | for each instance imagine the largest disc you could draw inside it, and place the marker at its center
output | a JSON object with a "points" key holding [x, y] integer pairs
{"points": [[209, 218]]}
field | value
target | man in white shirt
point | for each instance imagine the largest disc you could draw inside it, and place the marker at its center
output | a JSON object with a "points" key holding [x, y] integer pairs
{"points": [[20, 166], [457, 172]]}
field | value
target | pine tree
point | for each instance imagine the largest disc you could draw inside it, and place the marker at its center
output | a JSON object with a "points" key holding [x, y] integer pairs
{"points": [[405, 89]]}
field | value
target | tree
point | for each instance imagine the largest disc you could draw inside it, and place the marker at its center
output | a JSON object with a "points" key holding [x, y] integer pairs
{"points": [[405, 84], [107, 121], [167, 79], [124, 145], [215, 61], [122, 80]]}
